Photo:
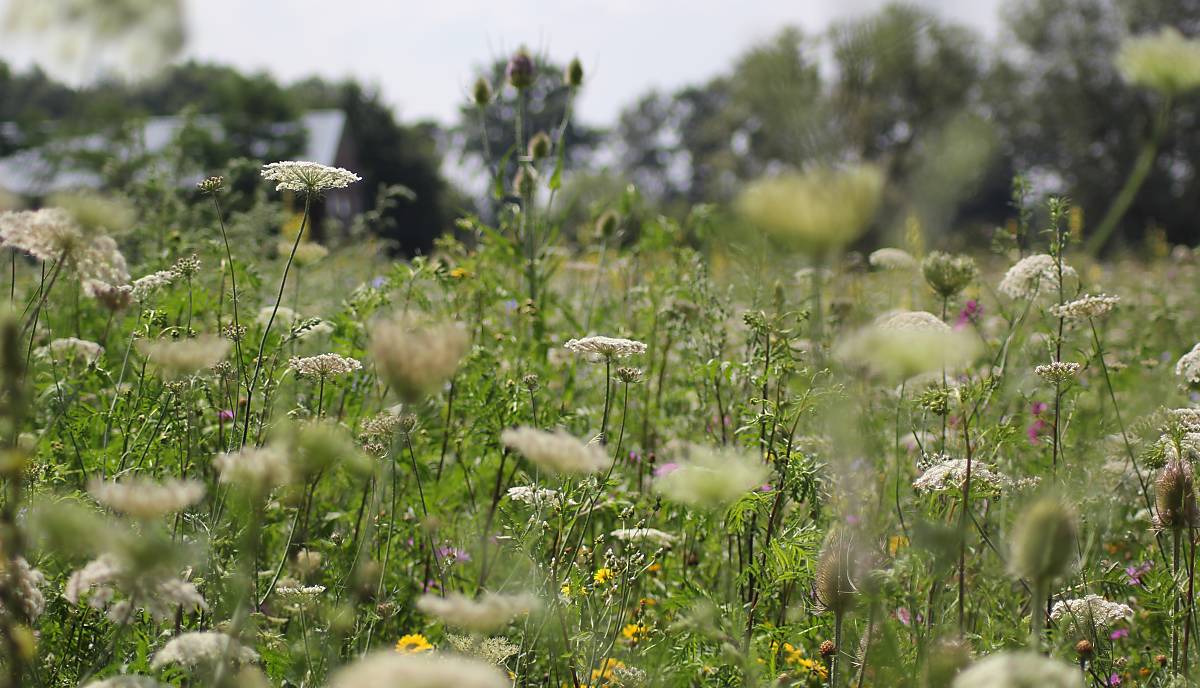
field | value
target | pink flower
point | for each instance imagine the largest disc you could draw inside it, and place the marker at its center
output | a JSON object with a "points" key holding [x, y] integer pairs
{"points": [[224, 415], [970, 311], [1114, 680], [1118, 634], [1035, 430], [904, 616], [665, 469], [1037, 408]]}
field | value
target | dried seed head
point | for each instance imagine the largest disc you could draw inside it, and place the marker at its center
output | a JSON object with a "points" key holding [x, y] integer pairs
{"points": [[1175, 497], [834, 583], [828, 648], [1083, 648], [520, 70]]}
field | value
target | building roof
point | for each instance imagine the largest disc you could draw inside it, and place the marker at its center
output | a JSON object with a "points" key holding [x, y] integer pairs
{"points": [[38, 171]]}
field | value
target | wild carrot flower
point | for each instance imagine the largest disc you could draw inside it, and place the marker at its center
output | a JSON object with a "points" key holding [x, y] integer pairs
{"points": [[1090, 613], [1086, 307], [202, 648], [1058, 372], [711, 477], [605, 347], [418, 671], [143, 287], [1019, 669], [158, 593], [948, 274], [652, 536], [52, 234], [260, 469], [1165, 61], [182, 357], [558, 451], [1188, 366], [416, 360], [489, 612], [69, 348], [307, 177], [147, 499], [891, 259], [27, 583], [817, 210], [1033, 275], [323, 366]]}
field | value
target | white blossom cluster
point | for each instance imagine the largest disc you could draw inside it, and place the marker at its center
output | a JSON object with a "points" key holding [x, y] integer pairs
{"points": [[1086, 307], [1090, 613], [323, 366], [1188, 366], [144, 287], [535, 496], [147, 499], [650, 535], [605, 347], [488, 612], [307, 177], [1057, 372], [1033, 274], [28, 584], [892, 259], [202, 647], [911, 321], [257, 468], [71, 347], [943, 474], [51, 234], [386, 668], [100, 580], [558, 451]]}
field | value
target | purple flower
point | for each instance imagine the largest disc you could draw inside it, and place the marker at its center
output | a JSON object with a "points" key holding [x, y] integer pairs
{"points": [[1035, 430], [453, 554], [904, 616], [664, 469], [1133, 574], [1118, 634], [852, 519], [766, 488], [224, 415], [1114, 680], [378, 282], [970, 311], [1037, 408]]}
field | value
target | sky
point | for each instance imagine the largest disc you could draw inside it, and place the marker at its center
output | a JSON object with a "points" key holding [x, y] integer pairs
{"points": [[422, 55]]}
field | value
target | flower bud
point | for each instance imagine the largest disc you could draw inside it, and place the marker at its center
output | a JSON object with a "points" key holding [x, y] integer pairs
{"points": [[540, 146], [481, 92], [573, 74], [520, 71], [525, 181], [1044, 541], [607, 223]]}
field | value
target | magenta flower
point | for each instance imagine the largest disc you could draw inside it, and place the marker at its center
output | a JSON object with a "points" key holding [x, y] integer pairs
{"points": [[224, 415], [1133, 574], [665, 469], [1114, 680], [904, 616], [1118, 634], [969, 313]]}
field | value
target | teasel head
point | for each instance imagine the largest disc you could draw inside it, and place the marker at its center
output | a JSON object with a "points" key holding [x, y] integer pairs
{"points": [[1044, 541], [1175, 497], [834, 583]]}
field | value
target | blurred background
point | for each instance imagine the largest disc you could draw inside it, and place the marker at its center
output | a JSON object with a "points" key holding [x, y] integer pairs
{"points": [[682, 103]]}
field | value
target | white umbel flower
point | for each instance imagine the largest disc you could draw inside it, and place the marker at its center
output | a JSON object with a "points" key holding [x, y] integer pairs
{"points": [[323, 366], [605, 347], [1188, 366], [892, 259], [649, 535], [943, 474], [185, 356], [911, 321], [1019, 670], [28, 584], [260, 469], [307, 177], [72, 348], [417, 360], [418, 671], [487, 613], [534, 496], [1090, 614], [127, 681], [200, 648], [557, 452], [147, 499], [161, 596], [1086, 307], [1058, 372], [1033, 275], [143, 287], [52, 234]]}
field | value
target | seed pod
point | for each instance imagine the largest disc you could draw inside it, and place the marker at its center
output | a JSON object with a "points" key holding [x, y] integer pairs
{"points": [[834, 584], [1043, 541], [481, 92], [1175, 497], [539, 146], [525, 181], [520, 70], [573, 74]]}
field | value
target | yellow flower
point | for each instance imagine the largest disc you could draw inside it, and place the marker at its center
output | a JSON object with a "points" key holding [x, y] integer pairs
{"points": [[565, 590], [655, 567], [814, 667], [635, 632], [602, 576], [413, 643], [896, 543], [605, 672], [792, 654], [460, 273]]}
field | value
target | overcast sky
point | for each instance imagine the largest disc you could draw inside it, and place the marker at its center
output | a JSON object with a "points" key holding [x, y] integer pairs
{"points": [[422, 54]]}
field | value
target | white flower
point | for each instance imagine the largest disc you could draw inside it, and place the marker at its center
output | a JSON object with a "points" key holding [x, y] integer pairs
{"points": [[710, 477], [1188, 366], [418, 671], [892, 259], [1091, 613], [283, 314], [323, 366], [307, 177], [535, 496], [127, 681], [71, 347], [943, 473], [1033, 274], [159, 594], [651, 535], [557, 452], [488, 612], [28, 583], [1019, 670], [52, 234], [1086, 307], [416, 360], [143, 287], [911, 321], [258, 468], [147, 499], [605, 347], [202, 647], [1058, 372], [185, 356]]}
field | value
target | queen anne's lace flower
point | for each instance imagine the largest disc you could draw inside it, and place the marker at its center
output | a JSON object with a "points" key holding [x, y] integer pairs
{"points": [[185, 356], [52, 234], [1086, 307], [892, 259], [143, 287], [912, 321], [418, 671], [307, 177], [488, 612], [1090, 614], [650, 535], [28, 583], [1032, 275], [71, 347], [127, 681], [1058, 372], [943, 474], [147, 499], [202, 647], [160, 595], [417, 360], [605, 347], [557, 451], [323, 366], [1188, 366], [1019, 670], [535, 496], [258, 468]]}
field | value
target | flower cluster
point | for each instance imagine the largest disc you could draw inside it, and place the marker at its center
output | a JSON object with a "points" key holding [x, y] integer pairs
{"points": [[147, 499], [605, 347], [1086, 307], [323, 366], [1090, 613], [307, 177], [557, 452], [1033, 274], [1058, 372]]}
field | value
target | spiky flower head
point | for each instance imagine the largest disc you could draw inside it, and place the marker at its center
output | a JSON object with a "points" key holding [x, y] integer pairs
{"points": [[817, 210], [947, 274], [525, 181], [1175, 497], [573, 74], [834, 584], [481, 92], [1166, 61], [520, 70], [308, 178], [1044, 540], [540, 146]]}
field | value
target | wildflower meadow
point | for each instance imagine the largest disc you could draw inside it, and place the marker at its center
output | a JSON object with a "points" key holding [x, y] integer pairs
{"points": [[755, 443]]}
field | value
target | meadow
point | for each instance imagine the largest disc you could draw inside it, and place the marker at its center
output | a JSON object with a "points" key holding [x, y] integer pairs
{"points": [[727, 449]]}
